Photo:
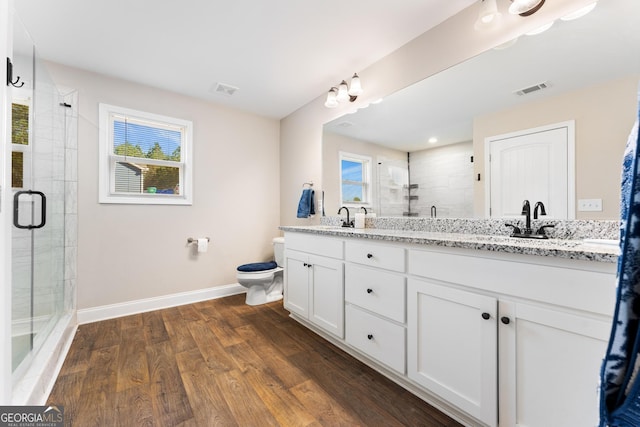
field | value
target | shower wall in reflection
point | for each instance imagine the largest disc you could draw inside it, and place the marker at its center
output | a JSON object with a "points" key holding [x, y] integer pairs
{"points": [[436, 182], [444, 179]]}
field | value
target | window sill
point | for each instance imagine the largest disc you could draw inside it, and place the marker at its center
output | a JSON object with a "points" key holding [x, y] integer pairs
{"points": [[146, 200]]}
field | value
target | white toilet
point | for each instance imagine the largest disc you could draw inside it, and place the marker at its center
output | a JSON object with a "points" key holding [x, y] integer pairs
{"points": [[264, 280]]}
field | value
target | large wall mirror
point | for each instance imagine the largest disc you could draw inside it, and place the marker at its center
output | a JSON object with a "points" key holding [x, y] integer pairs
{"points": [[585, 71]]}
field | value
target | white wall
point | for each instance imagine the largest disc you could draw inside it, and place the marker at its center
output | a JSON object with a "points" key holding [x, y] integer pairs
{"points": [[131, 252], [439, 48]]}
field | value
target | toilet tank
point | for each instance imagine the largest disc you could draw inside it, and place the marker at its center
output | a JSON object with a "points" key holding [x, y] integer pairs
{"points": [[278, 250]]}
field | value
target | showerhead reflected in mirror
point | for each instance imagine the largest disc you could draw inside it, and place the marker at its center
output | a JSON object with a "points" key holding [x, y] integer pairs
{"points": [[586, 70]]}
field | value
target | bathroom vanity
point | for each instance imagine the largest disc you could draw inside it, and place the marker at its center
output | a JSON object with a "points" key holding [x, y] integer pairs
{"points": [[492, 330]]}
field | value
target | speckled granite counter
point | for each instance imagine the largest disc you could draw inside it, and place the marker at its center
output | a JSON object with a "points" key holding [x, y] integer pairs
{"points": [[562, 248]]}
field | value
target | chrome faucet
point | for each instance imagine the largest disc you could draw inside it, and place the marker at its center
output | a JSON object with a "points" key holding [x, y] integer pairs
{"points": [[526, 211], [348, 222], [542, 210]]}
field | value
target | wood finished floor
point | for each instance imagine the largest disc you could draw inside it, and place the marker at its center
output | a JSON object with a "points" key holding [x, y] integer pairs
{"points": [[223, 363]]}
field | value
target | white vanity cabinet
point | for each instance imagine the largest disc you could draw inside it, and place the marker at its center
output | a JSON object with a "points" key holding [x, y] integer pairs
{"points": [[375, 314], [375, 295], [549, 366], [452, 346], [536, 327], [492, 338], [314, 280]]}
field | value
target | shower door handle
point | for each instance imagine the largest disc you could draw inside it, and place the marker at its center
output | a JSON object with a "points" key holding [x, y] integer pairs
{"points": [[16, 209]]}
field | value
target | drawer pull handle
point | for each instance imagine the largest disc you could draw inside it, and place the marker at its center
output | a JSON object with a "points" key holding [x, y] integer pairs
{"points": [[370, 337], [369, 290], [505, 320], [369, 256], [486, 316]]}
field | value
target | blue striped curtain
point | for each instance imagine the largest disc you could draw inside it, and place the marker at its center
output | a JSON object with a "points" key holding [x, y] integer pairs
{"points": [[620, 386]]}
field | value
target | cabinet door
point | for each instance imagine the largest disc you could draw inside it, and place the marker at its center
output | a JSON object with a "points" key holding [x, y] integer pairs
{"points": [[296, 283], [549, 366], [327, 294], [452, 346]]}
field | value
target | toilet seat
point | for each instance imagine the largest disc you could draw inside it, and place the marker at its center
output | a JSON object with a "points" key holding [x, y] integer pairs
{"points": [[257, 267], [258, 275]]}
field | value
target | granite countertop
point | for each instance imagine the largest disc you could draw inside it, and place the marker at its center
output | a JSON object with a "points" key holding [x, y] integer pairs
{"points": [[562, 248]]}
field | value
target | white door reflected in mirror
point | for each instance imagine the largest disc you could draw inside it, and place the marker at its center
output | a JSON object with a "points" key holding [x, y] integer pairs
{"points": [[534, 164]]}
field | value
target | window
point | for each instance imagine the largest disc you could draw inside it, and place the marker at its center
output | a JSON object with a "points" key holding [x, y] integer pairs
{"points": [[355, 179], [144, 158], [20, 147]]}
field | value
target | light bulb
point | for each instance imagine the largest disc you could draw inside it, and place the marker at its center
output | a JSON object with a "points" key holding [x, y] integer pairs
{"points": [[356, 87], [488, 14], [343, 92], [331, 101]]}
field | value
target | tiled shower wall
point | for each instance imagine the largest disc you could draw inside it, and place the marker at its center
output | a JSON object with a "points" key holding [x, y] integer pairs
{"points": [[71, 201], [445, 180]]}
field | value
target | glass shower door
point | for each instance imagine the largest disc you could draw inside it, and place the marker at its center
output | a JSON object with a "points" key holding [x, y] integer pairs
{"points": [[38, 158]]}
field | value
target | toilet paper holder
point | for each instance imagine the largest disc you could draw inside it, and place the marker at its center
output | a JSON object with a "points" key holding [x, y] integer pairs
{"points": [[192, 240]]}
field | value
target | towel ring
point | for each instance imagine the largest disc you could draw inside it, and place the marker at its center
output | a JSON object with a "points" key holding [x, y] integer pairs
{"points": [[310, 184]]}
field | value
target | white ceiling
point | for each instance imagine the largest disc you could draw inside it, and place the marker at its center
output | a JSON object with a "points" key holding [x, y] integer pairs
{"points": [[281, 54], [600, 46]]}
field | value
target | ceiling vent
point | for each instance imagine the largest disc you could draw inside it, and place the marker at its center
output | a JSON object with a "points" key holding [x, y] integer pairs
{"points": [[224, 89], [534, 88]]}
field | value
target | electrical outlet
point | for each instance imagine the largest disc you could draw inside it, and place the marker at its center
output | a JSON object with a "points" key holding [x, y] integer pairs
{"points": [[590, 205]]}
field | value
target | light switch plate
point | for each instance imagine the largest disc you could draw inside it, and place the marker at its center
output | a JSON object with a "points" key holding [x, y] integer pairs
{"points": [[590, 205]]}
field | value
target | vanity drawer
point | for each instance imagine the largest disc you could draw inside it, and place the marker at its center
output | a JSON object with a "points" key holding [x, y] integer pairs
{"points": [[378, 291], [379, 339], [324, 246], [381, 256]]}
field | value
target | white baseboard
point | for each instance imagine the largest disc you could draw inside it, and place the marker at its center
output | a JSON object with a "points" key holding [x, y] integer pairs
{"points": [[104, 312]]}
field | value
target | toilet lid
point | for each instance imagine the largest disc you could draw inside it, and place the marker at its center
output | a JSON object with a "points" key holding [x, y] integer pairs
{"points": [[258, 266]]}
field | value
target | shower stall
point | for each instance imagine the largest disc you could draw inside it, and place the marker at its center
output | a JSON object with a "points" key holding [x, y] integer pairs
{"points": [[43, 248], [429, 183]]}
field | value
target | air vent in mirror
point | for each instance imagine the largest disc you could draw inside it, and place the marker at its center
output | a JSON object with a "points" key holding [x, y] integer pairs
{"points": [[531, 89]]}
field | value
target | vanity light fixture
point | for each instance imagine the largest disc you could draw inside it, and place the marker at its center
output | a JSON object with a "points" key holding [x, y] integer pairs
{"points": [[343, 92], [580, 12], [525, 7], [488, 15]]}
